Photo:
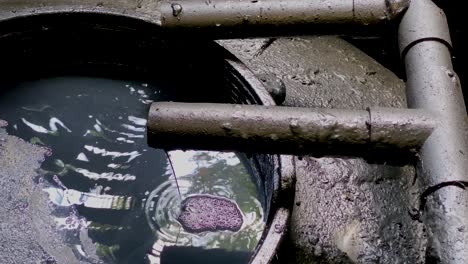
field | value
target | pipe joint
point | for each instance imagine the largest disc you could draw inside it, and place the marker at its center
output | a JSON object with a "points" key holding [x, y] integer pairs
{"points": [[389, 125], [423, 21], [289, 130]]}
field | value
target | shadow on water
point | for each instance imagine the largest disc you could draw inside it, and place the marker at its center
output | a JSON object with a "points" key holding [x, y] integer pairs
{"points": [[114, 199]]}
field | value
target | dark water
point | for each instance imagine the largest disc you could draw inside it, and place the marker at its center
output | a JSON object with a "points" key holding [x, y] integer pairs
{"points": [[114, 199]]}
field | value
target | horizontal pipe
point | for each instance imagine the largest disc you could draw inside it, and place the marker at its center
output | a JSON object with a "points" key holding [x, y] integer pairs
{"points": [[232, 13], [222, 19], [285, 130]]}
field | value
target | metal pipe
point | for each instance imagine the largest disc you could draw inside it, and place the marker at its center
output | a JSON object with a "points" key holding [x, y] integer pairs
{"points": [[216, 19], [399, 128], [443, 167], [287, 130], [232, 13]]}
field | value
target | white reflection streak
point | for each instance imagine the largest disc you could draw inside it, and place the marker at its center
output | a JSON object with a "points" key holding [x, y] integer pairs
{"points": [[185, 164], [145, 101], [114, 154], [82, 157], [129, 135], [137, 121], [114, 166], [97, 127], [134, 128], [122, 139], [71, 197], [53, 122], [38, 129], [110, 176]]}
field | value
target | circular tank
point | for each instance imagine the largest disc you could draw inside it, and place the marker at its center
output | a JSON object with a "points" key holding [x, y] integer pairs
{"points": [[38, 40]]}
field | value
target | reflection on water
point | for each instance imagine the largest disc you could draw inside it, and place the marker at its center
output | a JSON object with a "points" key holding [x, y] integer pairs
{"points": [[113, 198], [219, 174]]}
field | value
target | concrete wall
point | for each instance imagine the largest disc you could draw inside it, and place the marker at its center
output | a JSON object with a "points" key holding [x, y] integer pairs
{"points": [[346, 210]]}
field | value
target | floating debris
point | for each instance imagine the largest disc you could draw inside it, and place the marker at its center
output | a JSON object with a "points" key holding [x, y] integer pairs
{"points": [[201, 213]]}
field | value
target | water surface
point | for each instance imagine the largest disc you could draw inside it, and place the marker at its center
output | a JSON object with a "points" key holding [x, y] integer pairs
{"points": [[114, 199]]}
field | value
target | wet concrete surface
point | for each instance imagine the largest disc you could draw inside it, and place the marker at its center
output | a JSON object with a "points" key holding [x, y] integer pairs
{"points": [[346, 210], [322, 72], [27, 230]]}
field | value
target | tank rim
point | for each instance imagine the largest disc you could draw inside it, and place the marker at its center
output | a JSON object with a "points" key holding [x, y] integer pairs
{"points": [[283, 181]]}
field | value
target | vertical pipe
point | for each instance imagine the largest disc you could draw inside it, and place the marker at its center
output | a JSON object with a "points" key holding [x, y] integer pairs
{"points": [[443, 167]]}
